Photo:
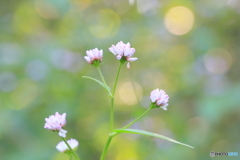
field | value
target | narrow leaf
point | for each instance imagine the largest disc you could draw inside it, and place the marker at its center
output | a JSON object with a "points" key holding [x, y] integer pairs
{"points": [[141, 132], [101, 83]]}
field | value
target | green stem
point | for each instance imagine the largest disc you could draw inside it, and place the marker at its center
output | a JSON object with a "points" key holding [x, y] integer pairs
{"points": [[115, 83], [71, 149], [106, 148], [111, 135], [112, 114], [137, 118], [112, 99], [106, 86]]}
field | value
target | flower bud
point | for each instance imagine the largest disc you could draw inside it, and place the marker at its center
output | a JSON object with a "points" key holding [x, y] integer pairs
{"points": [[159, 98], [94, 57]]}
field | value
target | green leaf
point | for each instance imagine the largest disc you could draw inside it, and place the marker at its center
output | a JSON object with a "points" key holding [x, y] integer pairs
{"points": [[141, 132], [101, 83]]}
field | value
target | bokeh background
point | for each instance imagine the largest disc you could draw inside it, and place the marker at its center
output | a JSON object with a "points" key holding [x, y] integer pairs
{"points": [[188, 48]]}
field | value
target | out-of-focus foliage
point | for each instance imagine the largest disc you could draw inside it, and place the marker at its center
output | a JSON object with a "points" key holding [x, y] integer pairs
{"points": [[188, 48]]}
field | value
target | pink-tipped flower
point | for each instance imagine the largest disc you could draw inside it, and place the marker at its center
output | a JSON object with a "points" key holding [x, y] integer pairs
{"points": [[56, 123], [123, 52], [62, 147], [159, 98], [94, 57]]}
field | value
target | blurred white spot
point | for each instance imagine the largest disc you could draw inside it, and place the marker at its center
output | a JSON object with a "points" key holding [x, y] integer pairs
{"points": [[231, 1], [8, 81], [179, 20], [10, 53], [36, 69], [234, 4], [128, 95], [66, 60], [121, 7], [218, 61], [131, 2], [145, 5]]}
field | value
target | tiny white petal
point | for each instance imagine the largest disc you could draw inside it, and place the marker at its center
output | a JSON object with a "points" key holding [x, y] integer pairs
{"points": [[132, 59], [118, 57], [112, 50], [164, 107], [128, 65], [87, 59], [62, 133]]}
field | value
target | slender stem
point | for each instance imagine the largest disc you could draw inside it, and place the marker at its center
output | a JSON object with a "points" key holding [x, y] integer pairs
{"points": [[100, 72], [75, 155], [137, 118], [114, 134], [106, 148], [111, 113], [115, 83], [112, 99]]}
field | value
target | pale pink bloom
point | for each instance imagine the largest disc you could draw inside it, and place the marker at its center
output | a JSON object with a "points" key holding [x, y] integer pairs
{"points": [[94, 55], [62, 147], [160, 98], [55, 122], [123, 52]]}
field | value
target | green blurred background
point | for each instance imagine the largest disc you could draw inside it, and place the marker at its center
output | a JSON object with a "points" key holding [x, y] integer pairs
{"points": [[188, 48]]}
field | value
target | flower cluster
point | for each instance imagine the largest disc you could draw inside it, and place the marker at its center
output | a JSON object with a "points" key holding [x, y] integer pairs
{"points": [[122, 51], [62, 147], [56, 123], [94, 57], [159, 98]]}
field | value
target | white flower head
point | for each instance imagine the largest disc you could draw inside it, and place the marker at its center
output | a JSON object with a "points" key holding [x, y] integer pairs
{"points": [[159, 98], [62, 147], [94, 57], [55, 122], [123, 52]]}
